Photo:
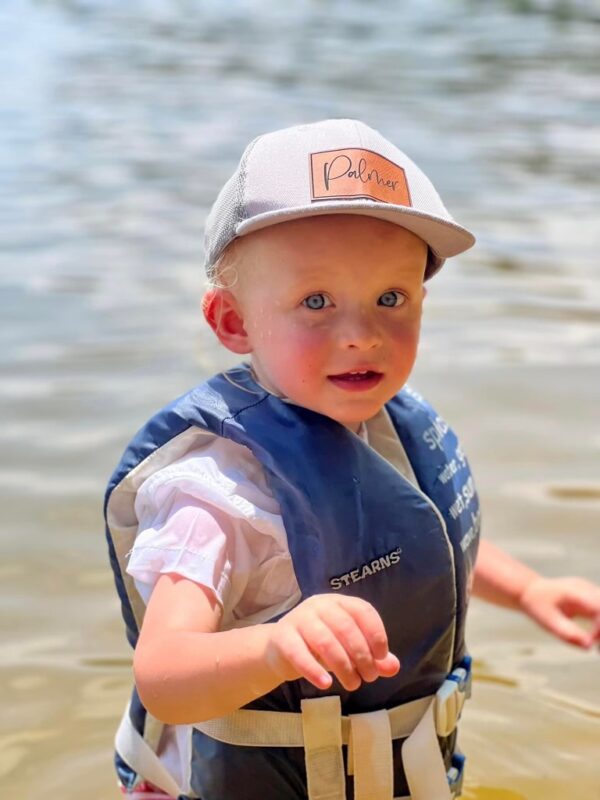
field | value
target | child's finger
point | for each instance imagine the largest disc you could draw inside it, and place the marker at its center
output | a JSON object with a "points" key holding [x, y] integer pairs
{"points": [[388, 666], [352, 639], [567, 630], [585, 602], [294, 651], [369, 622], [330, 652]]}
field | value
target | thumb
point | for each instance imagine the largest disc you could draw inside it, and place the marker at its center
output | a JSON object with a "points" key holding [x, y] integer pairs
{"points": [[567, 630]]}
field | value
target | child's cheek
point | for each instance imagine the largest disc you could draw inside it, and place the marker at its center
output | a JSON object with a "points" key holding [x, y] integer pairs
{"points": [[308, 343], [300, 355], [260, 327]]}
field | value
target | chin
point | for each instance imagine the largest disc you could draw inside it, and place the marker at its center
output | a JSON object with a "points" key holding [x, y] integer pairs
{"points": [[354, 420]]}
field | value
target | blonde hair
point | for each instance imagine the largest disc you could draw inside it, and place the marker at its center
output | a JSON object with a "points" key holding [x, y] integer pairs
{"points": [[223, 274]]}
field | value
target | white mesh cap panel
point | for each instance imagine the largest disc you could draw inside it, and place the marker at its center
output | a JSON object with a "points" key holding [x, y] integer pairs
{"points": [[222, 222], [226, 214]]}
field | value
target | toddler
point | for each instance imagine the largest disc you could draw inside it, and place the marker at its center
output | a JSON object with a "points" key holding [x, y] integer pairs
{"points": [[294, 541]]}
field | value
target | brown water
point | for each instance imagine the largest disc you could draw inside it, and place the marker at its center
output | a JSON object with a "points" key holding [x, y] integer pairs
{"points": [[119, 122]]}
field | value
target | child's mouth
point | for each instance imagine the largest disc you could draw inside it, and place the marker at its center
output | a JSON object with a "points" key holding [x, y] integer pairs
{"points": [[356, 380]]}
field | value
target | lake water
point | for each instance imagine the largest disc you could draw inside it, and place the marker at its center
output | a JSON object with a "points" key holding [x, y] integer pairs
{"points": [[119, 123]]}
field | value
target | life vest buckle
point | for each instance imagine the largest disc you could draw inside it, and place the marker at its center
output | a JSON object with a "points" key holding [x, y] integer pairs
{"points": [[451, 696], [456, 774], [463, 676]]}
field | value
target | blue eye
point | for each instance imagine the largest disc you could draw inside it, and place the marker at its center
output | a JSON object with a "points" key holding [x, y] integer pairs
{"points": [[391, 299], [316, 301]]}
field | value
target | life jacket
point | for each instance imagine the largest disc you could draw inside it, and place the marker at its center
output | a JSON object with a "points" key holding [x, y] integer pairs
{"points": [[355, 526]]}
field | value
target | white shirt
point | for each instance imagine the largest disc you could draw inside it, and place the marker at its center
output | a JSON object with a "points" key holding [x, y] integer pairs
{"points": [[211, 517]]}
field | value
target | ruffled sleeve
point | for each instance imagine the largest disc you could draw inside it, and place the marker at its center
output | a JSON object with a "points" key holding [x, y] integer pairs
{"points": [[211, 517]]}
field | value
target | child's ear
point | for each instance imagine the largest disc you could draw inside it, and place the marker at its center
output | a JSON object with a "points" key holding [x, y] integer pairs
{"points": [[224, 315]]}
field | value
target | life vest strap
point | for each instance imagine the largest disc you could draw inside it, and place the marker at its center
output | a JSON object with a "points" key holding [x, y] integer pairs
{"points": [[252, 728], [141, 757], [423, 763], [321, 730], [370, 755], [322, 737]]}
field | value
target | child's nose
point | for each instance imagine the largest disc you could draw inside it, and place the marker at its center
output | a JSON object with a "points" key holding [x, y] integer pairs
{"points": [[360, 331]]}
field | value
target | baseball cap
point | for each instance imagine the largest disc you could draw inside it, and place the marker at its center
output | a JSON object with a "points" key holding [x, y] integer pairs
{"points": [[336, 166]]}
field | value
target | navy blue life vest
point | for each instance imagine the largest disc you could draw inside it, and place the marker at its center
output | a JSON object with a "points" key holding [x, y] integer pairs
{"points": [[354, 526]]}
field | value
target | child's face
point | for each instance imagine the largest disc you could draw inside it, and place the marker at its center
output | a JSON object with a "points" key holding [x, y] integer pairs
{"points": [[330, 308]]}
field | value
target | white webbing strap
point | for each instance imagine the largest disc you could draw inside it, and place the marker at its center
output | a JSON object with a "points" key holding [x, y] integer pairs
{"points": [[138, 754], [423, 763], [368, 736], [322, 729], [256, 728], [284, 728], [370, 756]]}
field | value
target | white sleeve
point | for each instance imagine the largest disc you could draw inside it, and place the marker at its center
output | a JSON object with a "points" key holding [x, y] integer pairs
{"points": [[178, 534], [211, 517]]}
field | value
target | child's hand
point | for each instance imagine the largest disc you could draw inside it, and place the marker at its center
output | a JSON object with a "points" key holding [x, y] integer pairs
{"points": [[331, 633], [552, 602]]}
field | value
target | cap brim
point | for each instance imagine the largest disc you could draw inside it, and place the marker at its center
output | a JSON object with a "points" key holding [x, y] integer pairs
{"points": [[445, 238]]}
